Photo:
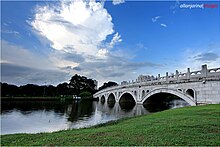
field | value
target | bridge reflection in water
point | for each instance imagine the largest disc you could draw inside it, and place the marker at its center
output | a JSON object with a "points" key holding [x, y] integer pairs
{"points": [[119, 111], [127, 106]]}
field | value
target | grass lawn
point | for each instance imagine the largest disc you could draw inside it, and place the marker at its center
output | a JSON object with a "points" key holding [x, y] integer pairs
{"points": [[198, 125]]}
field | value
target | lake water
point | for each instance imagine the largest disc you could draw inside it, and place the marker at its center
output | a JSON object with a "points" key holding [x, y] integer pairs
{"points": [[48, 116]]}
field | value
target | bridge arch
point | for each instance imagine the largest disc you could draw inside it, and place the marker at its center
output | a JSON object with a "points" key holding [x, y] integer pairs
{"points": [[181, 95], [191, 92], [111, 98], [127, 93], [143, 93], [103, 99]]}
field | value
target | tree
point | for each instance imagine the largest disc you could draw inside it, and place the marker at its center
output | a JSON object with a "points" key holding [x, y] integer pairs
{"points": [[109, 84], [31, 90], [80, 83], [9, 90], [51, 91], [63, 89]]}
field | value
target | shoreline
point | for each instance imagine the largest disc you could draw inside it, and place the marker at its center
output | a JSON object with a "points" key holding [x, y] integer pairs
{"points": [[43, 99], [192, 125]]}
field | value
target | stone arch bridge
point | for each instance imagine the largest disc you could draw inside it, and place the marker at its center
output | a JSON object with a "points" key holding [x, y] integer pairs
{"points": [[197, 87]]}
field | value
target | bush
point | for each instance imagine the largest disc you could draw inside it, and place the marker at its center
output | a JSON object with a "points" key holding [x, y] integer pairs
{"points": [[85, 94]]}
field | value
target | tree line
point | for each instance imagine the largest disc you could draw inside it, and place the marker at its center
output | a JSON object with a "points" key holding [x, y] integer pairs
{"points": [[78, 85]]}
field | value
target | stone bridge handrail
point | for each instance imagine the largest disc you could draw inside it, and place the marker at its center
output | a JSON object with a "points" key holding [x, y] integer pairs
{"points": [[214, 69], [203, 74]]}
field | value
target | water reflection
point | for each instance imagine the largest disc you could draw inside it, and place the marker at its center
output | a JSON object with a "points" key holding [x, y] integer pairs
{"points": [[127, 106], [47, 116], [178, 104], [30, 106], [80, 109], [163, 101]]}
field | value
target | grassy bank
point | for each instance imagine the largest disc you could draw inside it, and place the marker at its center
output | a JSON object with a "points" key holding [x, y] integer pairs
{"points": [[198, 125]]}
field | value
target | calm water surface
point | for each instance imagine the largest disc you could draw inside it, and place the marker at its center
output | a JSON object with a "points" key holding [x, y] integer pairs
{"points": [[48, 116]]}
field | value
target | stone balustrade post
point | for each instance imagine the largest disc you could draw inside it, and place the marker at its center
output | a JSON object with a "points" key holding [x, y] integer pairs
{"points": [[204, 70], [151, 78], [158, 77], [177, 75], [188, 73], [167, 78]]}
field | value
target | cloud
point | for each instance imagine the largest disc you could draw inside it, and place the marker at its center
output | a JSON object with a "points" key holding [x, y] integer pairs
{"points": [[112, 68], [117, 2], [18, 55], [10, 32], [63, 59], [207, 56], [102, 53], [77, 32], [21, 75], [154, 19], [21, 66], [163, 25], [75, 26], [116, 39], [141, 46], [175, 6], [194, 58]]}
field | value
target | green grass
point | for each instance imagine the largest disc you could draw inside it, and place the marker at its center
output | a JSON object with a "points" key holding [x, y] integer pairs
{"points": [[198, 125]]}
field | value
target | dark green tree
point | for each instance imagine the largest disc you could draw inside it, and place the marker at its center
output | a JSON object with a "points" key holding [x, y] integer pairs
{"points": [[109, 84], [63, 89], [9, 90], [80, 83]]}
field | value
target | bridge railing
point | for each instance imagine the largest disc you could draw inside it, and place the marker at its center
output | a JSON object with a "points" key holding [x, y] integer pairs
{"points": [[178, 77]]}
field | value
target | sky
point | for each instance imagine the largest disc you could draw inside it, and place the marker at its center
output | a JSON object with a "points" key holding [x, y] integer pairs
{"points": [[47, 42]]}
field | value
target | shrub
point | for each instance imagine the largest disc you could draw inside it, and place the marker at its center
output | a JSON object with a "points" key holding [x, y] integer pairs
{"points": [[85, 94]]}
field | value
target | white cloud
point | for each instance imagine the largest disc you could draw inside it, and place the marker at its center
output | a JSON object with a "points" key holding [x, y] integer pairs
{"points": [[154, 19], [74, 26], [102, 53], [163, 25], [116, 39], [117, 2]]}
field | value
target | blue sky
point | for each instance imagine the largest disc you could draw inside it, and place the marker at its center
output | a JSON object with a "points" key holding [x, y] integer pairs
{"points": [[48, 42]]}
